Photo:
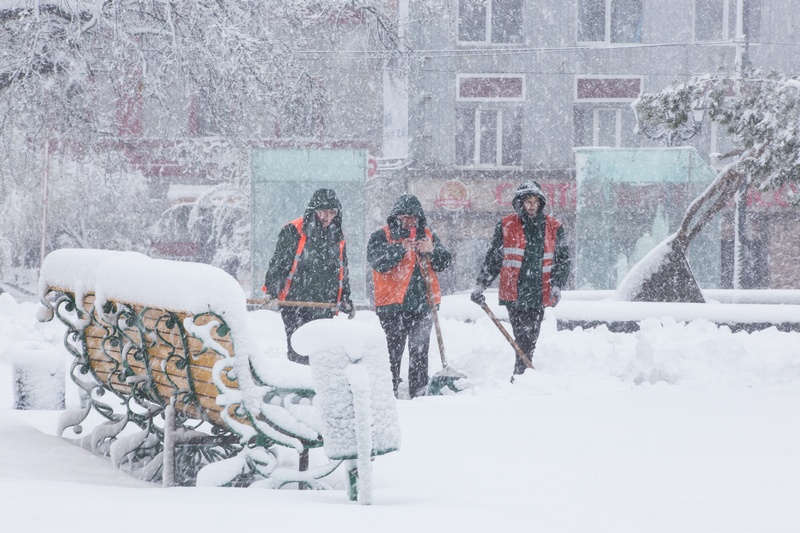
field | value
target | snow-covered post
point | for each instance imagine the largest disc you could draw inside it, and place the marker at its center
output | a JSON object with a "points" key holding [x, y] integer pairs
{"points": [[39, 375], [168, 475], [354, 395]]}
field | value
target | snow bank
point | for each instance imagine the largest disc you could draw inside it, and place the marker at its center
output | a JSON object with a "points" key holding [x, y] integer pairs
{"points": [[721, 307], [615, 311]]}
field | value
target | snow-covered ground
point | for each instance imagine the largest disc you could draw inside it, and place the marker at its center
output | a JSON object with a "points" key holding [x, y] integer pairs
{"points": [[678, 428]]}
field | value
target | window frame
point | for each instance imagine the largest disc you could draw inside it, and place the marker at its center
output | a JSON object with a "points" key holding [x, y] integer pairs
{"points": [[727, 33], [487, 40], [477, 109], [617, 126], [474, 75], [606, 27], [580, 77], [597, 105]]}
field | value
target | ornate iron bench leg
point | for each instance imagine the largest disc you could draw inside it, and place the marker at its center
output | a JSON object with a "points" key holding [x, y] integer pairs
{"points": [[352, 479], [302, 466]]}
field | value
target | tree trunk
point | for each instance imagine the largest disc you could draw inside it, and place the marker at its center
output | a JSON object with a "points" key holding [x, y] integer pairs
{"points": [[672, 281]]}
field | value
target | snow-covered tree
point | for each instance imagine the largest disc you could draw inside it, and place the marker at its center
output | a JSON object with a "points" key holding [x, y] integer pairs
{"points": [[98, 202], [761, 111], [84, 75]]}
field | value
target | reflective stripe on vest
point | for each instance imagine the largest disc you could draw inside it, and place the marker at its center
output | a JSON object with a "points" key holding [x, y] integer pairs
{"points": [[298, 224], [514, 252], [391, 286]]}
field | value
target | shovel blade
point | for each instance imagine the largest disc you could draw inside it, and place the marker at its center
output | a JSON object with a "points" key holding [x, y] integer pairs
{"points": [[447, 378]]}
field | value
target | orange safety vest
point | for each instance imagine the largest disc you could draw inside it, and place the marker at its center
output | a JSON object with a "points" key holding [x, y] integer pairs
{"points": [[514, 252], [391, 286], [298, 224]]}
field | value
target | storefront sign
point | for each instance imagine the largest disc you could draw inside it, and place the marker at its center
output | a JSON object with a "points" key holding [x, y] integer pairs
{"points": [[453, 195], [557, 194]]}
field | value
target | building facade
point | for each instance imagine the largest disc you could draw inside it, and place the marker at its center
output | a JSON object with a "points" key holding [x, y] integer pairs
{"points": [[506, 89]]}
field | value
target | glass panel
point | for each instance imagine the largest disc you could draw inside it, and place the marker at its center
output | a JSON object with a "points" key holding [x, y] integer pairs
{"points": [[592, 20], [284, 179], [731, 19], [488, 140], [708, 20], [626, 21], [631, 199], [582, 124], [752, 20], [465, 136], [512, 137], [472, 20], [506, 21], [606, 127]]}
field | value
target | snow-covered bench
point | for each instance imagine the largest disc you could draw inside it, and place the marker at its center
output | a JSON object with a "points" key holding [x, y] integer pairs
{"points": [[161, 336]]}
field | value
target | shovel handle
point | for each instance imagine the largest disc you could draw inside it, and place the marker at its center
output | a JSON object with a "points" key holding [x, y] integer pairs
{"points": [[292, 303], [423, 260], [508, 337]]}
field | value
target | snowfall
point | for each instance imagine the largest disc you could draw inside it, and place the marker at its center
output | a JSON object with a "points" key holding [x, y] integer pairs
{"points": [[683, 426]]}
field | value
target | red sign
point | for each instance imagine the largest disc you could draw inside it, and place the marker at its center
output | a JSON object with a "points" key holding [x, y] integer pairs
{"points": [[453, 195], [557, 194], [372, 166]]}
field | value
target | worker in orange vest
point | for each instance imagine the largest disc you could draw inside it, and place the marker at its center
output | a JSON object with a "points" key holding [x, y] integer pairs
{"points": [[529, 252], [310, 265], [401, 300]]}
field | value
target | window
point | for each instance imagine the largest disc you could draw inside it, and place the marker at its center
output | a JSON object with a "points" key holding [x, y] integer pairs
{"points": [[488, 137], [610, 21], [490, 21], [488, 123], [715, 20], [603, 116], [607, 89]]}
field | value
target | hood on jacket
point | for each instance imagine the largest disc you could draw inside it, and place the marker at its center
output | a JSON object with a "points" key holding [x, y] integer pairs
{"points": [[323, 199], [526, 189], [407, 204]]}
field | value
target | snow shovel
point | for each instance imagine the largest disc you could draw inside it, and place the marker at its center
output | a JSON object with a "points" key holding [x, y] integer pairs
{"points": [[290, 303], [508, 337], [446, 378]]}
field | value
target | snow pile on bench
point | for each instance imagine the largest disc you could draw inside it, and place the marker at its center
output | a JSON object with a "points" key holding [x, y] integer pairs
{"points": [[262, 399]]}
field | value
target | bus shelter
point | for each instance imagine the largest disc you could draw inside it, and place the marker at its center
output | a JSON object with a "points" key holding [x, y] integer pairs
{"points": [[631, 199], [283, 182]]}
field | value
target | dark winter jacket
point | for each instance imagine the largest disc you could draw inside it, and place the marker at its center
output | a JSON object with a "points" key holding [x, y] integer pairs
{"points": [[529, 288], [384, 256], [317, 276]]}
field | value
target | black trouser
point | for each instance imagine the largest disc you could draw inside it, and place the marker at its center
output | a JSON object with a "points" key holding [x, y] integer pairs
{"points": [[526, 324], [416, 328], [293, 318]]}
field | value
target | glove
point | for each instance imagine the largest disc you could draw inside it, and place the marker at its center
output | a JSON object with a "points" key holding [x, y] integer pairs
{"points": [[555, 293], [270, 302], [347, 307], [477, 295]]}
